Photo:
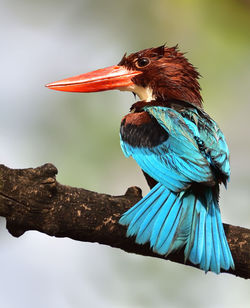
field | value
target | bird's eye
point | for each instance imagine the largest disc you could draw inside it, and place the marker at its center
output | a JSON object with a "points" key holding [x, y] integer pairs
{"points": [[142, 62]]}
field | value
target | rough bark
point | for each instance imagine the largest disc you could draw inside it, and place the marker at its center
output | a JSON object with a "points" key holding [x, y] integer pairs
{"points": [[32, 199]]}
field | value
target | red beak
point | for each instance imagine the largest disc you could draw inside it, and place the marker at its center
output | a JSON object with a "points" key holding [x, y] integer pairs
{"points": [[113, 77]]}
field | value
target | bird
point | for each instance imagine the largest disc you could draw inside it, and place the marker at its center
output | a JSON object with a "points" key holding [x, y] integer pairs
{"points": [[180, 149]]}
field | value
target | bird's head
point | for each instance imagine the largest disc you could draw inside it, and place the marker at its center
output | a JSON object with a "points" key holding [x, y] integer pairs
{"points": [[160, 73]]}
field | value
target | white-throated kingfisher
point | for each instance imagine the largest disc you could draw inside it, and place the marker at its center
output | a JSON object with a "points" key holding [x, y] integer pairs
{"points": [[180, 149]]}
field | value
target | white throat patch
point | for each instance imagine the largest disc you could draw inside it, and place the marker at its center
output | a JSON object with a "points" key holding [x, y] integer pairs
{"points": [[145, 94]]}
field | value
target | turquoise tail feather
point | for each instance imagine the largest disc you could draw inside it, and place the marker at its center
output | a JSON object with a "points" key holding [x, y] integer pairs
{"points": [[170, 221]]}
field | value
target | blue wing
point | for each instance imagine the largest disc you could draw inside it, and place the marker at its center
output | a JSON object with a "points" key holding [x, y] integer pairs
{"points": [[217, 151], [193, 146]]}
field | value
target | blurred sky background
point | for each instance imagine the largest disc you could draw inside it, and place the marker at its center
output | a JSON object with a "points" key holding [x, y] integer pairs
{"points": [[43, 41]]}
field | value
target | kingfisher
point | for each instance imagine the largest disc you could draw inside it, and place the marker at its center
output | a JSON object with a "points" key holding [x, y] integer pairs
{"points": [[180, 149]]}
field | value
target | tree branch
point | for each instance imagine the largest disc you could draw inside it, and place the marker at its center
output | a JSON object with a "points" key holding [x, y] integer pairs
{"points": [[32, 199]]}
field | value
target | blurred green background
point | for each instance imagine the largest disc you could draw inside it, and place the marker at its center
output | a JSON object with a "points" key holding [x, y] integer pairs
{"points": [[43, 41]]}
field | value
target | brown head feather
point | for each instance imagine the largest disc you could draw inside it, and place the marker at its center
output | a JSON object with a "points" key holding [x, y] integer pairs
{"points": [[168, 73]]}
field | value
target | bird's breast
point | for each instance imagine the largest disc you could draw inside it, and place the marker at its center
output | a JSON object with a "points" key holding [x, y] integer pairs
{"points": [[139, 129]]}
